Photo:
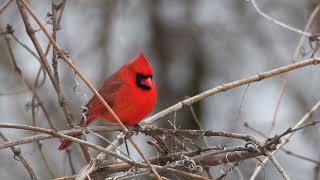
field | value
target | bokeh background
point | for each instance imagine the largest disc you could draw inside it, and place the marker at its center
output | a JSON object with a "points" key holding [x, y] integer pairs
{"points": [[193, 46]]}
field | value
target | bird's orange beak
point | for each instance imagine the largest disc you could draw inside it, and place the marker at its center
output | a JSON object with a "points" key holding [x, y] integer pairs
{"points": [[147, 82]]}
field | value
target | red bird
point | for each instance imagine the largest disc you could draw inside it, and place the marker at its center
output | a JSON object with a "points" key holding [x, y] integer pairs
{"points": [[131, 92]]}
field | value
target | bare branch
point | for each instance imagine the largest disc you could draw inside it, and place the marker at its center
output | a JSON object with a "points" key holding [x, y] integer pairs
{"points": [[18, 154], [306, 117], [278, 22], [4, 5], [95, 164], [278, 166], [295, 58], [37, 137], [70, 138], [228, 86], [61, 97]]}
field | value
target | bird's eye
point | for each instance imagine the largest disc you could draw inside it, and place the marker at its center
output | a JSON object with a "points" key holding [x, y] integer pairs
{"points": [[142, 81]]}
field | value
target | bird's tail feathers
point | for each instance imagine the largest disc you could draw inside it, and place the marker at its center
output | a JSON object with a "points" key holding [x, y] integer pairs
{"points": [[66, 143]]}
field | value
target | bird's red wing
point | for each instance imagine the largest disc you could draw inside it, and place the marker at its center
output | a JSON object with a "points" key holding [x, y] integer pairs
{"points": [[95, 107], [109, 91]]}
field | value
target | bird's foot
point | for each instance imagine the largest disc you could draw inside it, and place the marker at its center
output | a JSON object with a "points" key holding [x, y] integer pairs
{"points": [[133, 130], [137, 128]]}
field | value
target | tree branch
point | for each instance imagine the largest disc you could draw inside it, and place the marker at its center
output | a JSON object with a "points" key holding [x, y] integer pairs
{"points": [[231, 85], [17, 154]]}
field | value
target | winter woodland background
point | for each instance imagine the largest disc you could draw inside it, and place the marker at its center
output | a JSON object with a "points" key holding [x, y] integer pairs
{"points": [[193, 46]]}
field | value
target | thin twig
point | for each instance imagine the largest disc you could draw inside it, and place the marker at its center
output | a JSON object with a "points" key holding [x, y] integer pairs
{"points": [[35, 96], [242, 102], [278, 166], [45, 159], [54, 36], [4, 5], [308, 25], [37, 137], [88, 169], [70, 138], [285, 80], [278, 22], [277, 106], [288, 152], [56, 19], [61, 98], [34, 55], [18, 155], [295, 58], [306, 117]]}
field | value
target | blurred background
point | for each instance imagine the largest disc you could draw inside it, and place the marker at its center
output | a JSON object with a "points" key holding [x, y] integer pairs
{"points": [[193, 46]]}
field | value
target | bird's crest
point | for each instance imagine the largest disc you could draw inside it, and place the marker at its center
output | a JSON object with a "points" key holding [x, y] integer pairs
{"points": [[141, 65]]}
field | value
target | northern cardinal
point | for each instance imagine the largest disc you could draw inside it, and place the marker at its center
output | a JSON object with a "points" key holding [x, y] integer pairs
{"points": [[131, 92]]}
